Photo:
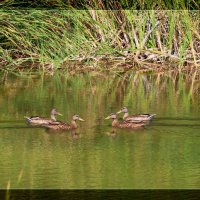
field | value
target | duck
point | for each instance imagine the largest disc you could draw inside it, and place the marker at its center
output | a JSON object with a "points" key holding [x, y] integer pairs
{"points": [[36, 120], [124, 124], [59, 125], [136, 117]]}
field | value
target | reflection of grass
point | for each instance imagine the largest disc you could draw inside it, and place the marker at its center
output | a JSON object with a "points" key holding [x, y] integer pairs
{"points": [[38, 39], [142, 92], [8, 187], [7, 190]]}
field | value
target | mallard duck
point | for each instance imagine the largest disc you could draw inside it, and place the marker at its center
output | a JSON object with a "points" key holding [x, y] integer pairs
{"points": [[58, 125], [135, 118], [124, 124], [36, 120]]}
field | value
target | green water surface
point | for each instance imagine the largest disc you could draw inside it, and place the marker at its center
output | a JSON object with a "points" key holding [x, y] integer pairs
{"points": [[165, 154]]}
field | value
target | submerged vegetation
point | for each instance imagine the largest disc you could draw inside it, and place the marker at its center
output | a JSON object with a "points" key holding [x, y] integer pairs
{"points": [[99, 39]]}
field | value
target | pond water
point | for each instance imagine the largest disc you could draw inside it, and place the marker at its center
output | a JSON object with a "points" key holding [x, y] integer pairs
{"points": [[165, 154]]}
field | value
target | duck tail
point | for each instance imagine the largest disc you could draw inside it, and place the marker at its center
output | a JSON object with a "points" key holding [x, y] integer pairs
{"points": [[28, 118], [152, 115]]}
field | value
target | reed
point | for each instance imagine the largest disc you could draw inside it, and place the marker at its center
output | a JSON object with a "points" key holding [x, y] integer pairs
{"points": [[102, 39]]}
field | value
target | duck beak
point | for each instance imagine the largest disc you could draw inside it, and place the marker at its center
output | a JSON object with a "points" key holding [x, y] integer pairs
{"points": [[80, 119], [59, 114], [107, 117], [119, 112]]}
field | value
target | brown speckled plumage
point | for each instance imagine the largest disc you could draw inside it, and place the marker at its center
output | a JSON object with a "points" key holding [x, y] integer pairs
{"points": [[136, 117], [124, 124], [36, 120], [58, 125]]}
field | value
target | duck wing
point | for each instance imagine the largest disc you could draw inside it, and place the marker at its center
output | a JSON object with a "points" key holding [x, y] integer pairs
{"points": [[139, 117], [36, 120], [131, 124], [58, 123], [36, 117], [133, 120]]}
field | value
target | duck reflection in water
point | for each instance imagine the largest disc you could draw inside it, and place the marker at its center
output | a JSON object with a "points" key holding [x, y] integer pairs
{"points": [[112, 133]]}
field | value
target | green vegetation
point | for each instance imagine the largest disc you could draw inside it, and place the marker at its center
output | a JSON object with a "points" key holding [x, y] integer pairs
{"points": [[98, 39], [108, 39]]}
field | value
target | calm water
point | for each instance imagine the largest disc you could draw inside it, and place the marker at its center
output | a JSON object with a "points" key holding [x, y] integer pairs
{"points": [[165, 154]]}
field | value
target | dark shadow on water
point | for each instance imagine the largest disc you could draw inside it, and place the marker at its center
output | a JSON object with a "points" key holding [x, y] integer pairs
{"points": [[176, 118], [11, 121], [127, 129], [19, 127], [180, 125]]}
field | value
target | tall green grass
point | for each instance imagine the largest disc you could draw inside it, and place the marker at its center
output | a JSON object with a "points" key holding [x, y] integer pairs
{"points": [[38, 38]]}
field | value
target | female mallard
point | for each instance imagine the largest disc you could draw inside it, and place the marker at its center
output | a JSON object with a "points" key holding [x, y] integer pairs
{"points": [[58, 125], [36, 120], [124, 124], [135, 118]]}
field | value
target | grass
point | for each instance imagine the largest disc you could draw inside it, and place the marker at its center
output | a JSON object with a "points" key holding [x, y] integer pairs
{"points": [[68, 39]]}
